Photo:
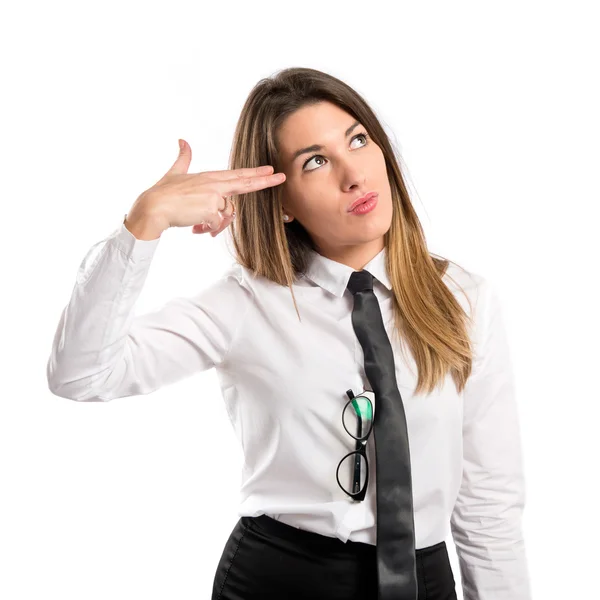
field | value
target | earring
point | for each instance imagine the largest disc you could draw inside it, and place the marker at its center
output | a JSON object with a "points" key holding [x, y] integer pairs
{"points": [[286, 218]]}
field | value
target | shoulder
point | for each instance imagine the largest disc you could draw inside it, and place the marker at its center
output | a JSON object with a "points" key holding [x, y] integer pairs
{"points": [[482, 302], [227, 294], [477, 293], [237, 279], [462, 282]]}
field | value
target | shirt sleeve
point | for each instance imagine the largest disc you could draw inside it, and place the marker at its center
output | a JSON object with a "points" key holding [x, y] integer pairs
{"points": [[486, 521], [101, 351]]}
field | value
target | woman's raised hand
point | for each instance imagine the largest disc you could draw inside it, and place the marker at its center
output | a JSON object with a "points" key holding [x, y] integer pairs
{"points": [[199, 200]]}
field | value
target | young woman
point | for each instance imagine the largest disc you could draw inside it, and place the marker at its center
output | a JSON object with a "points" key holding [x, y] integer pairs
{"points": [[278, 328]]}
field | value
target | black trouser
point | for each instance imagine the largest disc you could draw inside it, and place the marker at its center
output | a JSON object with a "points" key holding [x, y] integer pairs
{"points": [[267, 559]]}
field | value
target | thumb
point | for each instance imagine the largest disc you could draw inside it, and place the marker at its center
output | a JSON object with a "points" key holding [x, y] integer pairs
{"points": [[182, 164]]}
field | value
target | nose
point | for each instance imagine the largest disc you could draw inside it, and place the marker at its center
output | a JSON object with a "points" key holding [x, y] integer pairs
{"points": [[352, 174]]}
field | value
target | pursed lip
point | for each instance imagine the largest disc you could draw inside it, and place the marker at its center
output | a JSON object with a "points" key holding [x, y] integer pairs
{"points": [[358, 201]]}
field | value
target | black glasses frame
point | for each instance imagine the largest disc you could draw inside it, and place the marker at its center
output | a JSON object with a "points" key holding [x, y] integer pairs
{"points": [[357, 494]]}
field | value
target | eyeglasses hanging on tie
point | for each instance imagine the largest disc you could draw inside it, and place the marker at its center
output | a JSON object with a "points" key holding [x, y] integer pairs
{"points": [[357, 419]]}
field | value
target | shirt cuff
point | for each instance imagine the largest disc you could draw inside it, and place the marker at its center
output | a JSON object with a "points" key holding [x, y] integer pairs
{"points": [[131, 247]]}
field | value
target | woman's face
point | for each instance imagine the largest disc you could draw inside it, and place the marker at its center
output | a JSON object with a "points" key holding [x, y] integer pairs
{"points": [[321, 184]]}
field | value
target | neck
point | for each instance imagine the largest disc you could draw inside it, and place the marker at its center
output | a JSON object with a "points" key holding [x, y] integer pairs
{"points": [[356, 256]]}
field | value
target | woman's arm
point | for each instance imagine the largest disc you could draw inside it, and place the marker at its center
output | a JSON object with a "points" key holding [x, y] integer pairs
{"points": [[101, 351], [486, 522]]}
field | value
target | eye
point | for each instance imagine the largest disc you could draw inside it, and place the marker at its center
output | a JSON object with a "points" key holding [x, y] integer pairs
{"points": [[364, 135]]}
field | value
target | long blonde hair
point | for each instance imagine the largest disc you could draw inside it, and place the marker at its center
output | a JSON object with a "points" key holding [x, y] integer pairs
{"points": [[426, 314]]}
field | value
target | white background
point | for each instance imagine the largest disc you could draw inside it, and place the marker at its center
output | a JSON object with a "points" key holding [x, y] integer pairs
{"points": [[494, 107]]}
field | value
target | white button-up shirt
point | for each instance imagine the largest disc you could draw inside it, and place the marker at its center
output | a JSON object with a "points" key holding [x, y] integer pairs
{"points": [[284, 384]]}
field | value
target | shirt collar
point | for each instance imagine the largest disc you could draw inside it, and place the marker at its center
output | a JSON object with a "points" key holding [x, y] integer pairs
{"points": [[334, 276]]}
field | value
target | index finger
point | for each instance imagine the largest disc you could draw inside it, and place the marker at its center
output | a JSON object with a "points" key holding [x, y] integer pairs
{"points": [[231, 187], [243, 172]]}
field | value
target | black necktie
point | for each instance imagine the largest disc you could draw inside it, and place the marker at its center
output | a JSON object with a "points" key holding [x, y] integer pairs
{"points": [[396, 563]]}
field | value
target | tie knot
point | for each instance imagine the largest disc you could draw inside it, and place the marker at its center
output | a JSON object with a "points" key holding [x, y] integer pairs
{"points": [[360, 281]]}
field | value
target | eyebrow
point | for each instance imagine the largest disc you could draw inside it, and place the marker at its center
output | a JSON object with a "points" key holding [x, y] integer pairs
{"points": [[315, 147]]}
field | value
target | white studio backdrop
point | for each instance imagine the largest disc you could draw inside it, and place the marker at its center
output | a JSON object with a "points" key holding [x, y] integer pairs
{"points": [[494, 107]]}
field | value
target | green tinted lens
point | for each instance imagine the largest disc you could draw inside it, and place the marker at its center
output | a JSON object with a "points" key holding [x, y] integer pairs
{"points": [[358, 417], [363, 407]]}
